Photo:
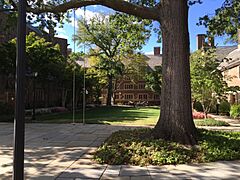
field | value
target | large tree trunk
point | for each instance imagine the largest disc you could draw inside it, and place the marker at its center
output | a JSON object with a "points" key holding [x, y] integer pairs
{"points": [[110, 91], [176, 122]]}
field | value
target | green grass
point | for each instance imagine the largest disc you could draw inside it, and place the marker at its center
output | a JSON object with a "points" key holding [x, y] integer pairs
{"points": [[138, 147], [108, 115], [117, 116], [210, 122]]}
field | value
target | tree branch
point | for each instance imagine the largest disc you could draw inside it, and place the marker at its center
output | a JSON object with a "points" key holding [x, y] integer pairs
{"points": [[118, 5]]}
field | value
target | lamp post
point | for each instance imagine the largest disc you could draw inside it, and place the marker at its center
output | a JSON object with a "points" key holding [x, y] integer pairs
{"points": [[35, 74], [19, 126]]}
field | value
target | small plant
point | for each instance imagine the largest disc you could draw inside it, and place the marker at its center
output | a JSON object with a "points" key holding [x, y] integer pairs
{"points": [[138, 147], [6, 109], [6, 112], [210, 122], [235, 111], [224, 107], [200, 115], [197, 106]]}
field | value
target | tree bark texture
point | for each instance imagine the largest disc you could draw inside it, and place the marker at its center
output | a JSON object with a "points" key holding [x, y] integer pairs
{"points": [[176, 122], [109, 91]]}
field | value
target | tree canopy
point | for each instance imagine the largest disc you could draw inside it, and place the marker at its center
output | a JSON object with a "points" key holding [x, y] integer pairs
{"points": [[110, 38], [226, 20]]}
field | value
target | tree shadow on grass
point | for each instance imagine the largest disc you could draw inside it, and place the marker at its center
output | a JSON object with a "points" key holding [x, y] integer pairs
{"points": [[103, 115]]}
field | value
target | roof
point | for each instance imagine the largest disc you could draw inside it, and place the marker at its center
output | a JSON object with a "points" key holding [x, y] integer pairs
{"points": [[232, 59], [152, 61], [223, 51]]}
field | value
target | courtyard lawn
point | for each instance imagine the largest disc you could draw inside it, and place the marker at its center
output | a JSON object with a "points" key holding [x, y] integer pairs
{"points": [[118, 115], [107, 115]]}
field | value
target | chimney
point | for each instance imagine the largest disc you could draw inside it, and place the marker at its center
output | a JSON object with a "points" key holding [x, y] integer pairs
{"points": [[157, 51], [200, 41], [238, 38]]}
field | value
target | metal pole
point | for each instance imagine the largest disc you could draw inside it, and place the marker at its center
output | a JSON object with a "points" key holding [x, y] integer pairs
{"points": [[34, 96], [84, 76], [74, 73], [19, 126]]}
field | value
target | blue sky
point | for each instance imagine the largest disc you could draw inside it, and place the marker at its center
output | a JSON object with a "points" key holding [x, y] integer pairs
{"points": [[196, 11]]}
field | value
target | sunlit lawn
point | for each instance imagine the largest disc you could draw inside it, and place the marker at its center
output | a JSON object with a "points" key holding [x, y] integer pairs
{"points": [[108, 115], [118, 115]]}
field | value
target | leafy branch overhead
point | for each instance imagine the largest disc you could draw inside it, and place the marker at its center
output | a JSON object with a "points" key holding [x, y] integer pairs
{"points": [[226, 20]]}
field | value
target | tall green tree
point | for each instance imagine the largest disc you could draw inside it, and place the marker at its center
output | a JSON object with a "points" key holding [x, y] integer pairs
{"points": [[207, 81], [110, 38], [225, 21], [42, 57], [175, 121]]}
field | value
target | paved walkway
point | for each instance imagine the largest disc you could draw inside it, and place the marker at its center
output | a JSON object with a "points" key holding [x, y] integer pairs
{"points": [[64, 152]]}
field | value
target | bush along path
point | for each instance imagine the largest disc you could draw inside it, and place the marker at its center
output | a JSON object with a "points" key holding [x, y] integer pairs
{"points": [[138, 147]]}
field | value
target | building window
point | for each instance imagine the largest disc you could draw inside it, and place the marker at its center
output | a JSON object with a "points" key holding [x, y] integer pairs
{"points": [[145, 96], [142, 96], [128, 96], [128, 86], [116, 96], [141, 86], [156, 96]]}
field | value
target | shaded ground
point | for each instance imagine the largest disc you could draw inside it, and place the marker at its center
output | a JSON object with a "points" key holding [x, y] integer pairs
{"points": [[63, 151]]}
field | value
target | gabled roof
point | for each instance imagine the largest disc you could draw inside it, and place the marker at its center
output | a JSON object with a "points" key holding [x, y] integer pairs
{"points": [[232, 59], [152, 61], [223, 51]]}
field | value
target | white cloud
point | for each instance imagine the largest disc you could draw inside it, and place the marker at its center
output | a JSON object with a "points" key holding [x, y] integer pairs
{"points": [[80, 14]]}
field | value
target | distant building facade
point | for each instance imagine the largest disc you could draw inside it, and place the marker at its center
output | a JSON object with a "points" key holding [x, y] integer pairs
{"points": [[127, 91]]}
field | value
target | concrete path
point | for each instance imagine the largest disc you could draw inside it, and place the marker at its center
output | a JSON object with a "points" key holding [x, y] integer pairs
{"points": [[64, 152], [231, 121]]}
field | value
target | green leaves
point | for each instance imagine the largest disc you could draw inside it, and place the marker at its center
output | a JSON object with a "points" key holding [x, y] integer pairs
{"points": [[226, 20], [138, 147], [206, 79], [114, 35], [154, 79]]}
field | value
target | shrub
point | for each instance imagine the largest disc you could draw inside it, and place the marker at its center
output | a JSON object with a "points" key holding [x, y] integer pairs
{"points": [[224, 107], [200, 115], [197, 106], [235, 111], [6, 112], [138, 147], [6, 109]]}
